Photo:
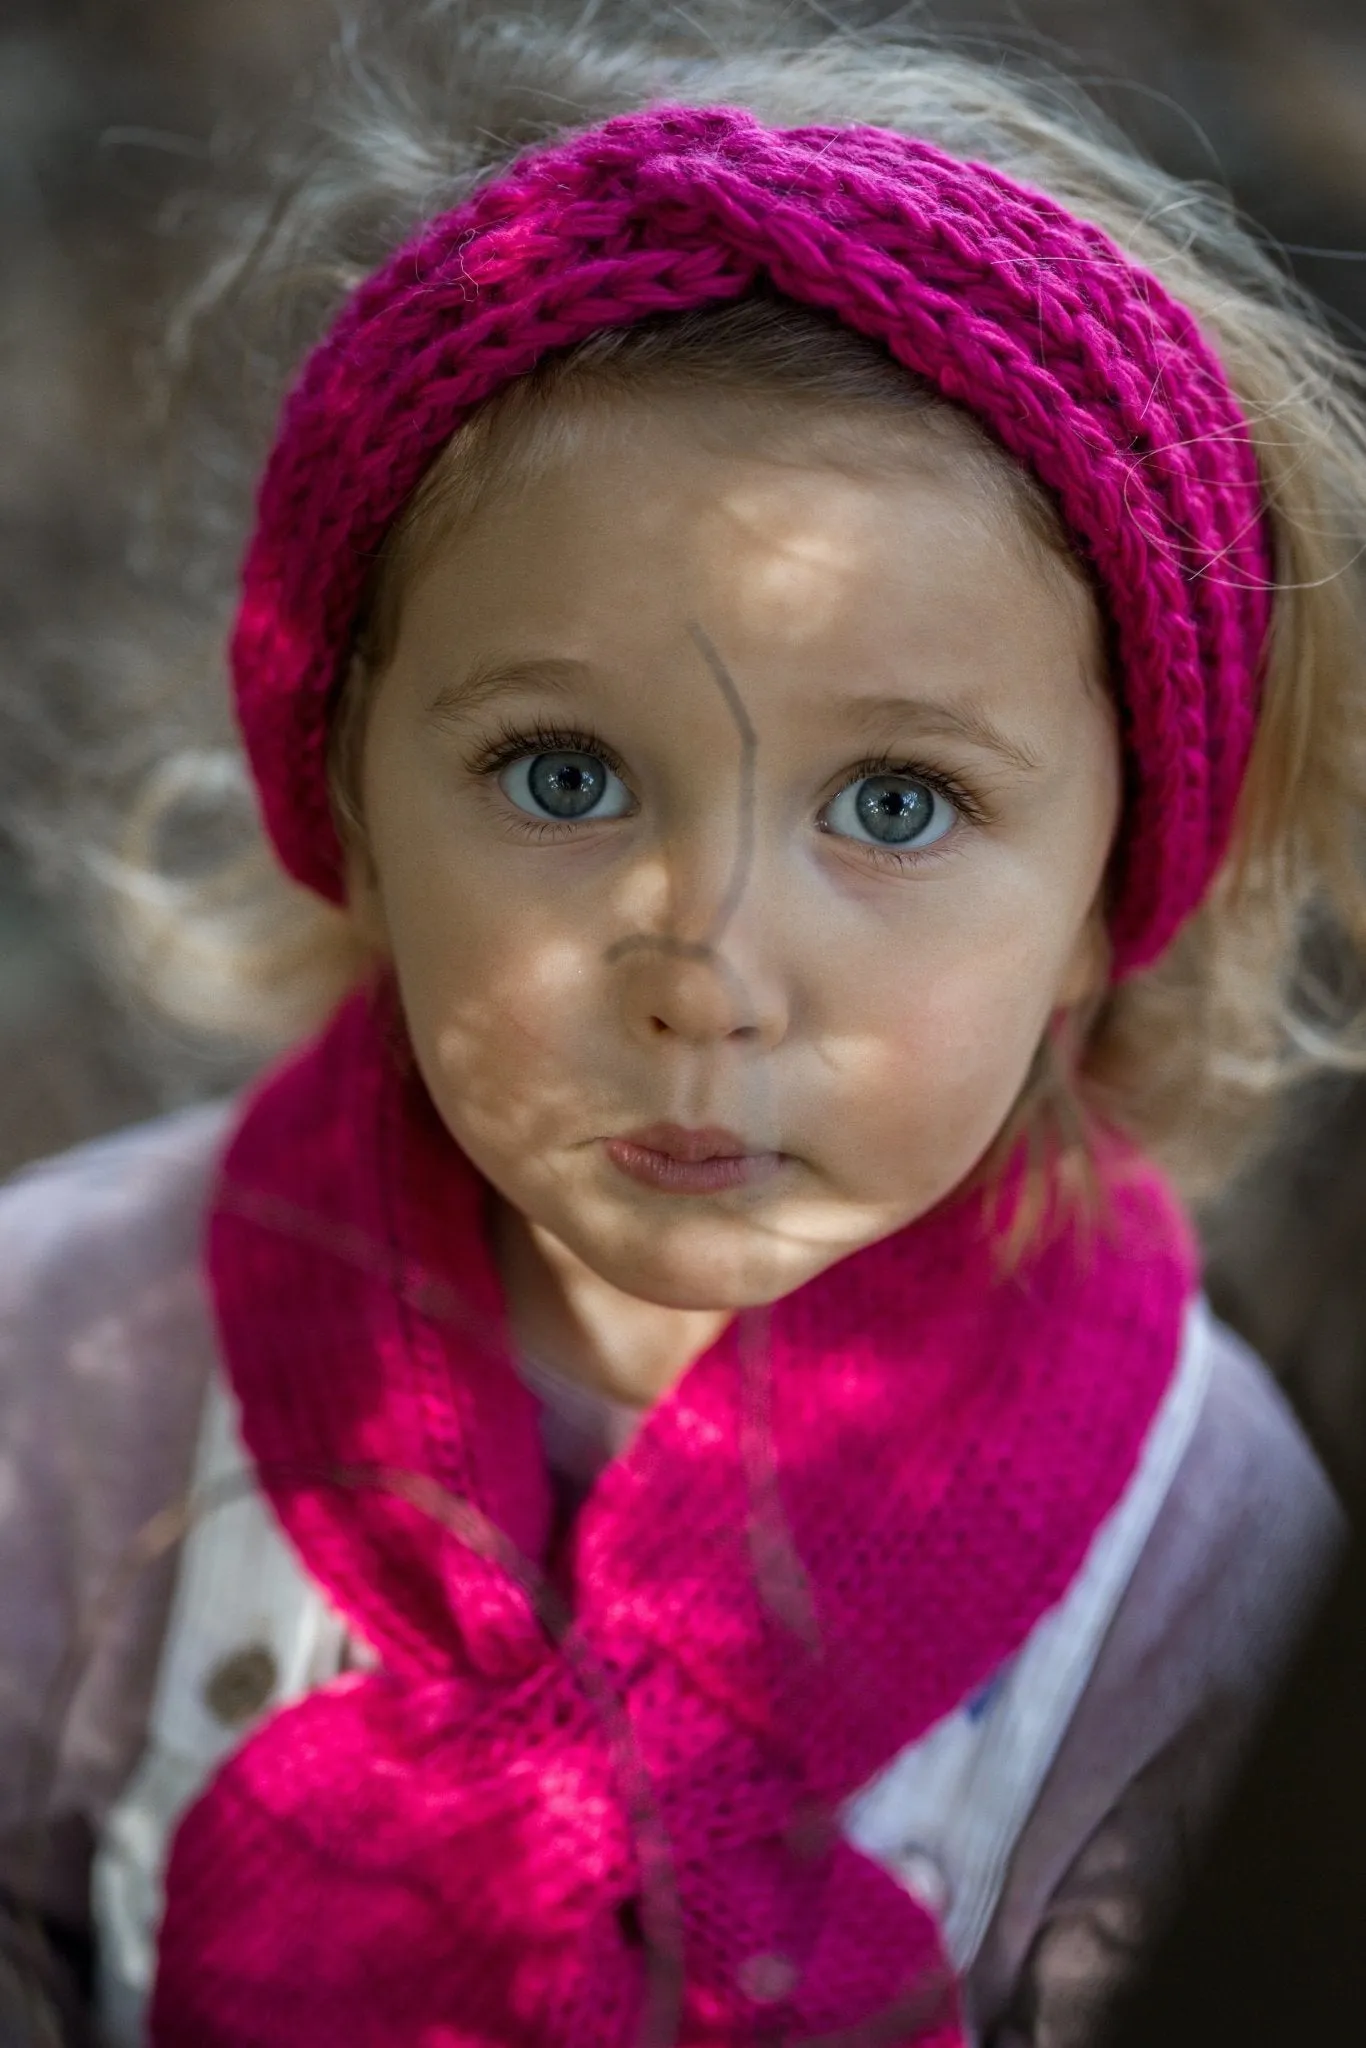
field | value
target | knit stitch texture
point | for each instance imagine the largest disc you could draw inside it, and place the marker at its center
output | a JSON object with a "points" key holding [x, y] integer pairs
{"points": [[591, 1801], [1079, 362]]}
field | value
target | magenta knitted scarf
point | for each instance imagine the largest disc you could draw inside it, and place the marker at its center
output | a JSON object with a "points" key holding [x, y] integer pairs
{"points": [[592, 1800]]}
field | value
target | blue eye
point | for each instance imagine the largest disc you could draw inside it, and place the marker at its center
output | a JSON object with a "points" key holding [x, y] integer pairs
{"points": [[891, 810], [565, 785]]}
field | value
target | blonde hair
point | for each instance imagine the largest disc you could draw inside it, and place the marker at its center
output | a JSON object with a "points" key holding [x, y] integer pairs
{"points": [[1258, 988]]}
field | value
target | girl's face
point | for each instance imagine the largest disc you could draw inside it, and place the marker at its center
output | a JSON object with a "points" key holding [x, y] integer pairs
{"points": [[735, 828]]}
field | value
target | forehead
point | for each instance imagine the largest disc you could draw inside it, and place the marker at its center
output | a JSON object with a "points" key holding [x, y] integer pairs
{"points": [[848, 563], [519, 437]]}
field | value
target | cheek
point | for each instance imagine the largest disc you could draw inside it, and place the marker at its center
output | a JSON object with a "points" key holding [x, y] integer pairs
{"points": [[934, 1056], [470, 969], [499, 998]]}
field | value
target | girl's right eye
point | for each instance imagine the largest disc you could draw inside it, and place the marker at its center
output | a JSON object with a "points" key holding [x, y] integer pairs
{"points": [[565, 785]]}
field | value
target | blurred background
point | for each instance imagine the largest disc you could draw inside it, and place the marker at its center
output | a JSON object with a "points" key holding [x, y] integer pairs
{"points": [[111, 109]]}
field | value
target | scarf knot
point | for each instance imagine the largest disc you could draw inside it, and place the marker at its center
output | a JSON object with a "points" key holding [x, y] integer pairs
{"points": [[462, 1819]]}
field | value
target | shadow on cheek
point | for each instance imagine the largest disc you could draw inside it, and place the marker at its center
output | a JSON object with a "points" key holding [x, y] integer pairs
{"points": [[530, 1059]]}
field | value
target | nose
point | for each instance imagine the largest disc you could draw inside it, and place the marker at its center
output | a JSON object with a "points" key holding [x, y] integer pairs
{"points": [[700, 994], [704, 966]]}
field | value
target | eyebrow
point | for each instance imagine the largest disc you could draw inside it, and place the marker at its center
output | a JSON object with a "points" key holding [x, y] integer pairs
{"points": [[465, 694], [877, 716]]}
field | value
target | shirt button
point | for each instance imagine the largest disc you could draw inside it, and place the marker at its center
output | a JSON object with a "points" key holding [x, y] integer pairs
{"points": [[923, 1878], [767, 1978], [240, 1684]]}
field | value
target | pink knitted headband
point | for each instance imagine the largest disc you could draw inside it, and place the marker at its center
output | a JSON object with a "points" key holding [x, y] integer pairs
{"points": [[1078, 362]]}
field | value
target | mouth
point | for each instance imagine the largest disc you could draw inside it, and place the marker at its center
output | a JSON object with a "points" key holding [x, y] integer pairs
{"points": [[679, 1161]]}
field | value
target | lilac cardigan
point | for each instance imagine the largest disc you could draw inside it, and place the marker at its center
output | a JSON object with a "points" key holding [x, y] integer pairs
{"points": [[106, 1348]]}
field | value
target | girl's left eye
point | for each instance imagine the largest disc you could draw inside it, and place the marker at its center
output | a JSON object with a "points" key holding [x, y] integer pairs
{"points": [[565, 785], [891, 811]]}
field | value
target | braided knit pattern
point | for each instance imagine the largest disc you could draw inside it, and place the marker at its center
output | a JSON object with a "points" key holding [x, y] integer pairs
{"points": [[494, 1839], [1079, 362]]}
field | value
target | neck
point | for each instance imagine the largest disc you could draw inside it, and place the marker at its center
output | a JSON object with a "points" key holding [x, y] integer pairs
{"points": [[569, 1318]]}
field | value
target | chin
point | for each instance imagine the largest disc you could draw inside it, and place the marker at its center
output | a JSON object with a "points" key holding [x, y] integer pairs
{"points": [[707, 1279], [698, 1292]]}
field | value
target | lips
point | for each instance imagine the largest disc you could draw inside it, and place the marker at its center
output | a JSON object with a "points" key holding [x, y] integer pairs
{"points": [[677, 1142], [679, 1161]]}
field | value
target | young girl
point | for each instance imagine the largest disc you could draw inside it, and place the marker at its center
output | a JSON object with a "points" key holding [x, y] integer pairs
{"points": [[805, 620]]}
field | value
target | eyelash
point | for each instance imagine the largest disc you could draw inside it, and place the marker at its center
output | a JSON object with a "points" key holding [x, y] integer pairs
{"points": [[512, 743], [947, 786]]}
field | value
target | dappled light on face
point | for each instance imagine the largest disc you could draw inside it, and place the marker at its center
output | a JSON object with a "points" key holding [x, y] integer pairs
{"points": [[792, 567], [532, 1107], [643, 900], [712, 954], [504, 1045]]}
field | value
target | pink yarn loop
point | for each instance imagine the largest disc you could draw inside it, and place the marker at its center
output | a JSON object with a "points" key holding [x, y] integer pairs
{"points": [[1077, 360]]}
